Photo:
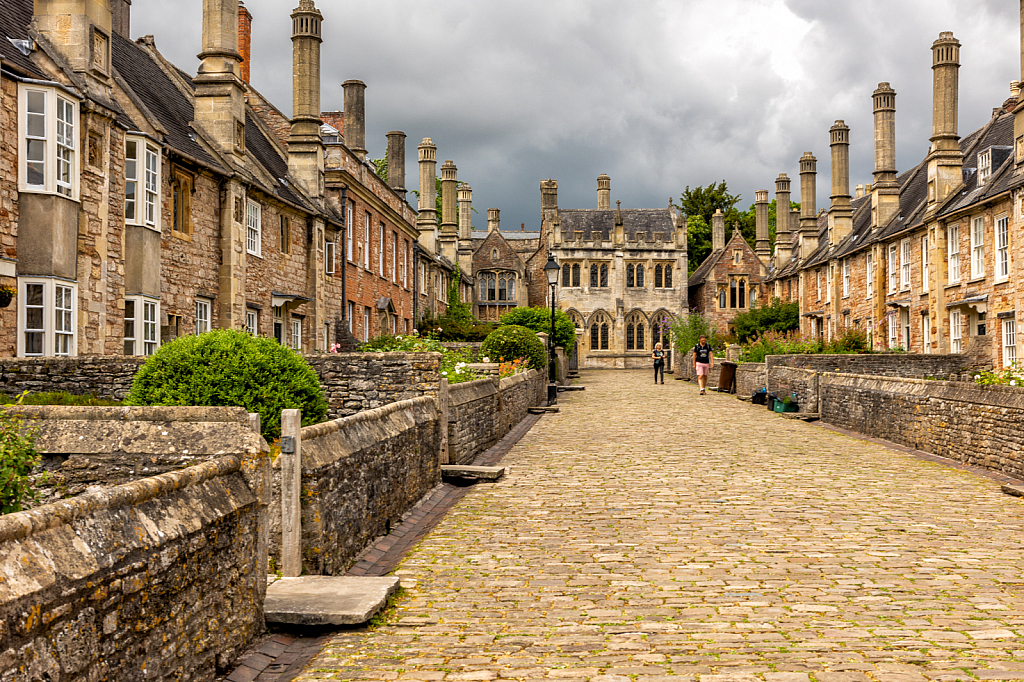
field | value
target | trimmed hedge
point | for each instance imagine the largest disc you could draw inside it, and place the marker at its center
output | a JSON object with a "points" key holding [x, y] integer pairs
{"points": [[510, 341]]}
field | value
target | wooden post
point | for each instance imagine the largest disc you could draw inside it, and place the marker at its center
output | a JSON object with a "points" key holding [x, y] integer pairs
{"points": [[442, 406], [291, 493]]}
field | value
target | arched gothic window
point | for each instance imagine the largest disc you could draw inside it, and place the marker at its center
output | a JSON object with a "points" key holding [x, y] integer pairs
{"points": [[660, 330], [743, 293], [635, 324], [657, 277], [732, 294], [497, 286], [577, 319], [566, 275], [668, 276], [753, 296], [576, 274], [721, 297], [600, 327]]}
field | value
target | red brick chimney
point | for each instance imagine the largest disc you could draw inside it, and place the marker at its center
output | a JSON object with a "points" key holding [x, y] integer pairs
{"points": [[245, 39]]}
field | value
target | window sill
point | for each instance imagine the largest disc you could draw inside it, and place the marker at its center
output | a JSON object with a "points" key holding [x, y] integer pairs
{"points": [[952, 285], [183, 236], [256, 255], [1005, 280], [53, 193], [975, 280]]}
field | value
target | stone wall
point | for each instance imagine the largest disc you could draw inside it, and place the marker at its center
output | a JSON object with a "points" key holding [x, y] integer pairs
{"points": [[803, 383], [164, 575], [106, 377], [481, 412], [750, 376], [978, 425], [875, 364], [360, 475]]}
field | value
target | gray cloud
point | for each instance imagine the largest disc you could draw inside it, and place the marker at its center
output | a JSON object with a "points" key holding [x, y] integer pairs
{"points": [[659, 94]]}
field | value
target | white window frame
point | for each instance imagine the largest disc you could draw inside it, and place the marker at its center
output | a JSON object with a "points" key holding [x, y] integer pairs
{"points": [[1002, 248], [350, 230], [905, 255], [366, 323], [894, 329], [254, 229], [926, 333], [252, 321], [145, 172], [846, 278], [295, 336], [329, 257], [869, 274], [1009, 342], [405, 264], [394, 257], [145, 337], [926, 270], [956, 332], [204, 310], [56, 143], [366, 241], [278, 328], [52, 339], [817, 281], [905, 328], [893, 270], [380, 250], [978, 247], [351, 314], [984, 166], [830, 273], [953, 254]]}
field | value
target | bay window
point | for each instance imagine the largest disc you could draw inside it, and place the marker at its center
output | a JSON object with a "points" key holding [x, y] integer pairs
{"points": [[141, 183], [47, 141], [47, 317], [141, 325]]}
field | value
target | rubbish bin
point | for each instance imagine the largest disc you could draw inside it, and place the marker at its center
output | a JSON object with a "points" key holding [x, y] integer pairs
{"points": [[727, 378]]}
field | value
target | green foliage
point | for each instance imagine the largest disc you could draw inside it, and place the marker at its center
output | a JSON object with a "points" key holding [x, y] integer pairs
{"points": [[687, 330], [793, 343], [698, 239], [453, 362], [381, 168], [510, 341], [228, 367], [58, 398], [1008, 376], [18, 458], [776, 316], [539, 320]]}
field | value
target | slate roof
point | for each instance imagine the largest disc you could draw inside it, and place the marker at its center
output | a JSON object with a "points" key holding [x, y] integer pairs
{"points": [[15, 16], [998, 134], [595, 223], [264, 152], [482, 234], [701, 273]]}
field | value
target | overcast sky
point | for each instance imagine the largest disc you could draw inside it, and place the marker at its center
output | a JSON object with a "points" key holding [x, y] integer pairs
{"points": [[659, 94]]}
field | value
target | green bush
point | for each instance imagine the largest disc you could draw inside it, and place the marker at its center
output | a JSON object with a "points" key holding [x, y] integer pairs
{"points": [[18, 458], [453, 362], [687, 330], [59, 398], [539, 320], [776, 316], [510, 341], [227, 367]]}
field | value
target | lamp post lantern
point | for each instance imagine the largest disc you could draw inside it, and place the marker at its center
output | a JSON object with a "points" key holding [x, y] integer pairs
{"points": [[551, 272]]}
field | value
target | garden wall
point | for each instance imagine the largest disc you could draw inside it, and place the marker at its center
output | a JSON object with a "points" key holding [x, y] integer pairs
{"points": [[750, 376], [360, 475], [163, 576], [786, 381], [105, 376], [481, 412], [875, 364]]}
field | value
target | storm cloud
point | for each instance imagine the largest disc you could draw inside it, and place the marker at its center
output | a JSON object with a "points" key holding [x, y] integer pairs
{"points": [[659, 94]]}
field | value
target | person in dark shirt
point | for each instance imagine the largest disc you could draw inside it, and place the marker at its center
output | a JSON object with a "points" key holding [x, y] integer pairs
{"points": [[703, 362], [659, 362]]}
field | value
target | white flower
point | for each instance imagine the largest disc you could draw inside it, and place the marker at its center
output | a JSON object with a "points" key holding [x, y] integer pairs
{"points": [[977, 377], [444, 373], [487, 359], [1013, 382]]}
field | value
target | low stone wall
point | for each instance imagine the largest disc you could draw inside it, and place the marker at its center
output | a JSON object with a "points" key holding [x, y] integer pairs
{"points": [[472, 347], [107, 377], [360, 475], [685, 370], [354, 382], [803, 383], [162, 577], [875, 364], [978, 425], [481, 412], [750, 376]]}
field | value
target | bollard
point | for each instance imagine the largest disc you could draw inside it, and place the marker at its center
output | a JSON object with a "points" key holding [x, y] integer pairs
{"points": [[291, 493]]}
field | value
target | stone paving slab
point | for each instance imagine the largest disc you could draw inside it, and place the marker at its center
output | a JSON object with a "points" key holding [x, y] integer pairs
{"points": [[647, 534], [314, 600]]}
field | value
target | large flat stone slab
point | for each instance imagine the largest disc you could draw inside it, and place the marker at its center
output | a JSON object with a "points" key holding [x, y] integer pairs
{"points": [[327, 600], [472, 472]]}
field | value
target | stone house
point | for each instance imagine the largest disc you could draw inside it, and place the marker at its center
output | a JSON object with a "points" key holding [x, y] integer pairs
{"points": [[138, 203], [622, 275], [502, 267]]}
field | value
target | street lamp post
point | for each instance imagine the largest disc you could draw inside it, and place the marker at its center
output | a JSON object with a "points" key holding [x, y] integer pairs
{"points": [[551, 272]]}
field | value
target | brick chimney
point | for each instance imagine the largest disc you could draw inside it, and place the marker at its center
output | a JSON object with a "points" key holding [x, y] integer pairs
{"points": [[718, 231], [604, 192], [885, 191], [122, 17], [355, 117], [762, 246], [808, 205], [305, 142], [245, 39], [396, 162], [449, 223], [945, 161], [465, 212], [840, 214]]}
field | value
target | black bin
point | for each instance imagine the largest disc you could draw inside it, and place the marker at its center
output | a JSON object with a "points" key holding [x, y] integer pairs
{"points": [[727, 377]]}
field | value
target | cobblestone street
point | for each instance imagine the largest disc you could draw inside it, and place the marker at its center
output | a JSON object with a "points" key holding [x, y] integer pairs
{"points": [[645, 533]]}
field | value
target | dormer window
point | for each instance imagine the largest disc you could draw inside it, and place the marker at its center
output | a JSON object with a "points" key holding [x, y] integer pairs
{"points": [[984, 166]]}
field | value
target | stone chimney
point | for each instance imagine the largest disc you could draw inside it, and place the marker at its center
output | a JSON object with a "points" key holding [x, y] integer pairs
{"points": [[763, 247], [718, 231], [426, 222], [945, 161], [122, 17], [305, 143], [1018, 121], [604, 191], [493, 220], [355, 117], [245, 39], [782, 221], [840, 214], [808, 205], [885, 191], [396, 162], [465, 212], [549, 208], [449, 236], [80, 30], [219, 103]]}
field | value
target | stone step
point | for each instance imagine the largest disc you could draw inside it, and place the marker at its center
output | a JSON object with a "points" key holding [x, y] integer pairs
{"points": [[805, 416], [1015, 490], [571, 388], [542, 410], [474, 473], [327, 599]]}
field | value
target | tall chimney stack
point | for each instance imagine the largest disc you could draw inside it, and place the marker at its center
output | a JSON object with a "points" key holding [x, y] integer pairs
{"points": [[1018, 121], [718, 231], [449, 236], [426, 221], [604, 191], [885, 191], [396, 162], [69, 27], [493, 220], [945, 161], [122, 17], [465, 212], [808, 205], [355, 117], [548, 207], [219, 103], [244, 40], [783, 240], [840, 214], [305, 143], [763, 247]]}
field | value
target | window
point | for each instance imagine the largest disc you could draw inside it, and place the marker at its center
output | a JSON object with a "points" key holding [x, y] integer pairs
{"points": [[978, 248], [47, 317], [394, 257], [639, 275], [956, 332], [894, 329], [1009, 343], [817, 282], [296, 338], [254, 229], [1002, 248], [668, 276], [737, 256], [660, 329], [366, 323], [926, 332], [599, 329], [327, 336], [598, 275], [984, 166], [635, 324], [329, 249], [48, 123], [663, 277], [905, 328], [846, 277], [181, 203], [980, 326], [743, 293], [366, 241], [202, 316], [142, 183], [905, 265], [733, 294], [252, 322], [893, 269], [658, 277], [925, 266], [830, 273], [350, 229], [576, 274], [279, 324], [405, 265], [152, 189], [380, 250], [351, 315], [953, 254], [566, 275], [285, 234], [140, 335]]}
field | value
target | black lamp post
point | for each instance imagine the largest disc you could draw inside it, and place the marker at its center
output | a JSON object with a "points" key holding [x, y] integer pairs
{"points": [[551, 272]]}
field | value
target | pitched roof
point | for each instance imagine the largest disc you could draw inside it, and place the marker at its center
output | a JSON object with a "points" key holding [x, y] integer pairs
{"points": [[701, 273], [597, 223], [265, 154], [482, 234], [15, 16]]}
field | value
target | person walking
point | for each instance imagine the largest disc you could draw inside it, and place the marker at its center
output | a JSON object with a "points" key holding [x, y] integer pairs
{"points": [[703, 362], [659, 362]]}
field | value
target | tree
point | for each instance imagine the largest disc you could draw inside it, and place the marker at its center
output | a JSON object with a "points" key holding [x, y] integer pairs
{"points": [[776, 316], [539, 320], [702, 203], [698, 240]]}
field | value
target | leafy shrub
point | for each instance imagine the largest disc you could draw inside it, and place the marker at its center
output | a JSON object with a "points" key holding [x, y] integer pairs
{"points": [[1009, 376], [539, 320], [228, 367], [687, 330], [775, 316], [18, 458], [850, 341], [453, 362], [794, 343], [59, 398], [513, 341]]}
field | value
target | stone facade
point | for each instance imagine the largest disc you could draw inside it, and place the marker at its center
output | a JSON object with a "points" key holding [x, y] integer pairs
{"points": [[727, 283]]}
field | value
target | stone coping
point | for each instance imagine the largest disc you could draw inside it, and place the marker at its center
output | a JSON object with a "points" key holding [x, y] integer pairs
{"points": [[335, 425], [132, 414], [24, 524]]}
